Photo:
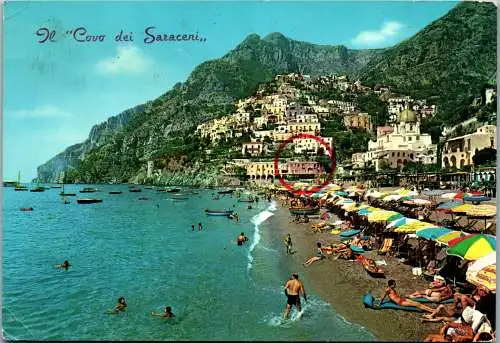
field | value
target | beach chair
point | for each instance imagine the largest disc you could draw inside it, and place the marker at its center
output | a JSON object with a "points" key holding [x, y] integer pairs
{"points": [[386, 247], [468, 227]]}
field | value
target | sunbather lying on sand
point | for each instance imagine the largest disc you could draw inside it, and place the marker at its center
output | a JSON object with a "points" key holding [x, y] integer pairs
{"points": [[444, 312], [434, 294], [397, 299]]}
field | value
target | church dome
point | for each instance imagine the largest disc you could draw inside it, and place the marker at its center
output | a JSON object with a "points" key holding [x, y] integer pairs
{"points": [[407, 115]]}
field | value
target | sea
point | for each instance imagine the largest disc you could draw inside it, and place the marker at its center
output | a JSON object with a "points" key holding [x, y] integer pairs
{"points": [[146, 251]]}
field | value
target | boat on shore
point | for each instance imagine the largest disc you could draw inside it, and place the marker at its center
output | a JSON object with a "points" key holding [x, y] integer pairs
{"points": [[224, 213], [115, 192], [88, 190], [301, 211], [88, 201]]}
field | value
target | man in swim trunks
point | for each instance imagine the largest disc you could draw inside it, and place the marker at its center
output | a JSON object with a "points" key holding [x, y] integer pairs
{"points": [[392, 294], [293, 288], [241, 239]]}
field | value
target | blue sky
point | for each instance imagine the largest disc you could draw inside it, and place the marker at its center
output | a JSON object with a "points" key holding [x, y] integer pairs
{"points": [[56, 91]]}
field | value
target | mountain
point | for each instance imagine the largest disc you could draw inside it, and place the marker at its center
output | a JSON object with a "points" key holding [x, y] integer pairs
{"points": [[210, 91], [448, 62]]}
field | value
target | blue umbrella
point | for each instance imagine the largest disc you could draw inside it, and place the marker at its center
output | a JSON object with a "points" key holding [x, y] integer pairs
{"points": [[448, 205], [431, 233], [477, 198], [364, 211]]}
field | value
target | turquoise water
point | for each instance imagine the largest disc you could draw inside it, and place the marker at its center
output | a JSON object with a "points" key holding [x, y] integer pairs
{"points": [[146, 252]]}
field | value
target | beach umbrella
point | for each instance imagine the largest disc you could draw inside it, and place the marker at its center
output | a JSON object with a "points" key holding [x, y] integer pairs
{"points": [[433, 232], [395, 216], [366, 210], [482, 212], [477, 198], [472, 247], [462, 208], [447, 237], [448, 205], [454, 195], [433, 193], [393, 197], [418, 202], [400, 221], [483, 272], [326, 215], [379, 215], [413, 227]]}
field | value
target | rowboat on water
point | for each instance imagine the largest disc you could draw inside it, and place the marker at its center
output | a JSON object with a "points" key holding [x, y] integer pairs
{"points": [[88, 190], [88, 201], [37, 189], [173, 190], [135, 190], [225, 213], [301, 211], [226, 191]]}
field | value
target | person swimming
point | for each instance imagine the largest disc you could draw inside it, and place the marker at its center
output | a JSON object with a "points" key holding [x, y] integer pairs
{"points": [[241, 239], [64, 265], [121, 306], [167, 314]]}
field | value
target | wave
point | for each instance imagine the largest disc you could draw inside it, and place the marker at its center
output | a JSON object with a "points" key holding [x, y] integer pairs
{"points": [[257, 220]]}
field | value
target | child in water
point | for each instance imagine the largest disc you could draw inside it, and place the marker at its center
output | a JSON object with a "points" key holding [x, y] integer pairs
{"points": [[167, 314]]}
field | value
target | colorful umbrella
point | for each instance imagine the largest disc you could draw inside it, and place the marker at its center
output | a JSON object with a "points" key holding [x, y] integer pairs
{"points": [[326, 216], [462, 208], [401, 221], [431, 233], [367, 210], [380, 215], [413, 227], [393, 197], [417, 201], [482, 210], [472, 247], [395, 217], [483, 272], [448, 205], [444, 239], [341, 193], [433, 193], [477, 198]]}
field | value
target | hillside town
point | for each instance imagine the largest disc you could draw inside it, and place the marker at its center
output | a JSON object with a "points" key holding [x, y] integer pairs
{"points": [[300, 104]]}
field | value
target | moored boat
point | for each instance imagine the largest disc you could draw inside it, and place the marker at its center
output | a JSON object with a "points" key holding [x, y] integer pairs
{"points": [[300, 211], [226, 191], [88, 201], [135, 190], [88, 190], [9, 183], [37, 189], [64, 194], [20, 187], [225, 213], [173, 190], [179, 196], [115, 192], [246, 200]]}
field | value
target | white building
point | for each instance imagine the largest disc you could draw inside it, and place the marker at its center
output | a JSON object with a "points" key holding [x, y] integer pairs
{"points": [[404, 144]]}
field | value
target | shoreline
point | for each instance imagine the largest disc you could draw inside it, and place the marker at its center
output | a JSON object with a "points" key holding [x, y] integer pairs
{"points": [[343, 283]]}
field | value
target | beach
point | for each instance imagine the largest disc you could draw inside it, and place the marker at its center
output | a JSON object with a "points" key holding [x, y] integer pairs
{"points": [[343, 284]]}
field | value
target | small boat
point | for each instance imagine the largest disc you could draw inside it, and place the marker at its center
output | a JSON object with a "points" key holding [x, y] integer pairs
{"points": [[9, 183], [372, 269], [26, 209], [55, 186], [64, 194], [148, 187], [88, 190], [179, 196], [173, 190], [144, 198], [88, 201], [135, 190], [225, 213], [249, 207], [246, 200], [38, 189], [115, 192], [161, 191], [19, 187], [300, 211], [227, 191]]}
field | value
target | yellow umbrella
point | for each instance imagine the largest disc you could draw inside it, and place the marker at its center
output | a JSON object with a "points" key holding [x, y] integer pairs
{"points": [[444, 239], [462, 208], [482, 210], [483, 272], [413, 227], [380, 215]]}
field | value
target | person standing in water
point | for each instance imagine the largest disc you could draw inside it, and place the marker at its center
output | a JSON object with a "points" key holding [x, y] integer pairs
{"points": [[121, 306], [288, 243], [200, 227], [241, 239], [293, 289], [192, 226]]}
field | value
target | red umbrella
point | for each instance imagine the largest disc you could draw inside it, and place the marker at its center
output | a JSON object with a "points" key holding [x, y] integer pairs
{"points": [[459, 239]]}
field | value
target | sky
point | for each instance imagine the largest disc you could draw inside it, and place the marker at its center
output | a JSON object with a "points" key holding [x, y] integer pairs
{"points": [[55, 91]]}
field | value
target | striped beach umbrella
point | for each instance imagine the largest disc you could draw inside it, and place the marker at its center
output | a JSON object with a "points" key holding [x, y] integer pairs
{"points": [[472, 247], [444, 239], [462, 208], [413, 227], [483, 272], [433, 232], [401, 221], [380, 215]]}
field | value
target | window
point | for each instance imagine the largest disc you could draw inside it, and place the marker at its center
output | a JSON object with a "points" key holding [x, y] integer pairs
{"points": [[393, 154], [409, 139], [404, 154], [398, 153]]}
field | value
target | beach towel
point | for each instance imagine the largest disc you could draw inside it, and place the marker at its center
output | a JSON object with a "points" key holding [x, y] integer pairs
{"points": [[370, 302], [350, 233], [425, 300]]}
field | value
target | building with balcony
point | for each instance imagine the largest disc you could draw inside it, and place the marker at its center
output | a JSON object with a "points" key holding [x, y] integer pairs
{"points": [[252, 148], [403, 144], [458, 151]]}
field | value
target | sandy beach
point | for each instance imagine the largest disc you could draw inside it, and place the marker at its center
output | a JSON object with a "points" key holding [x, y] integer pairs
{"points": [[343, 284]]}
